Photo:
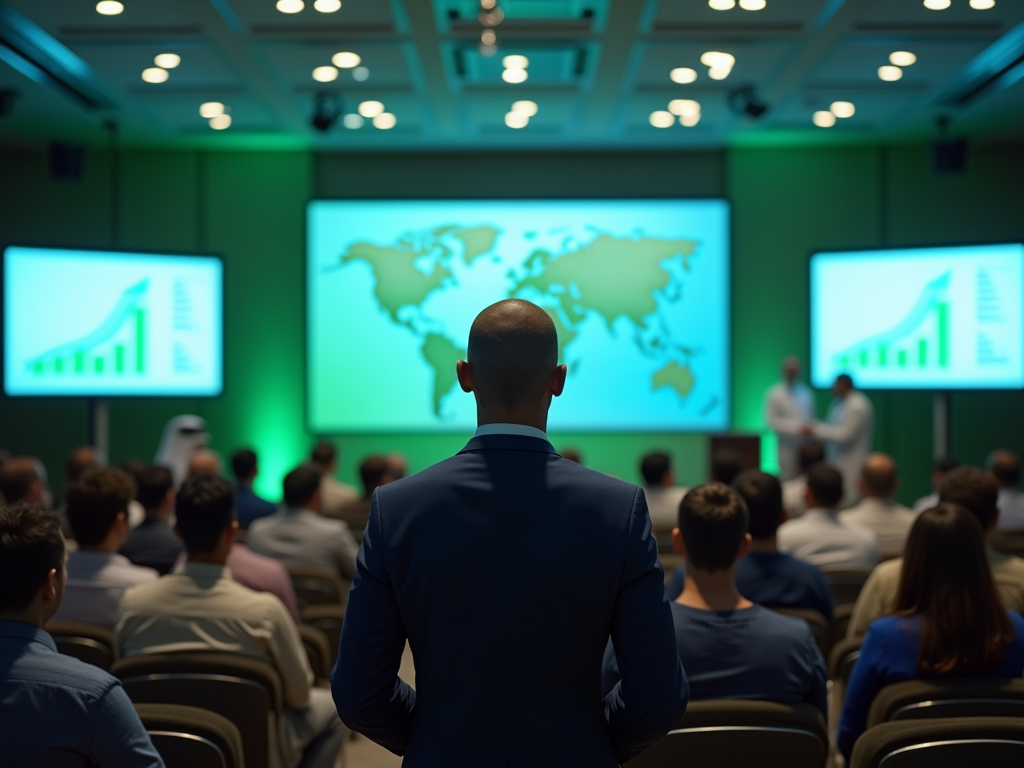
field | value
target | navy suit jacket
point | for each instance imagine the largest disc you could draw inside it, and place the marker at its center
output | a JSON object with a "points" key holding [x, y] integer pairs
{"points": [[508, 568]]}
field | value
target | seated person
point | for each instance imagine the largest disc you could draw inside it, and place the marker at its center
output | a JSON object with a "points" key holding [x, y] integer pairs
{"points": [[21, 480], [793, 491], [204, 462], [1004, 466], [333, 493], [153, 543], [199, 607], [948, 621], [374, 471], [819, 536], [878, 509], [978, 493], [298, 535], [730, 647], [54, 710], [97, 508], [726, 465], [940, 468], [248, 505], [663, 496]]}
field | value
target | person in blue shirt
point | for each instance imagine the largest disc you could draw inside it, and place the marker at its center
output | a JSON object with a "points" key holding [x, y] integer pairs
{"points": [[54, 710], [948, 620], [730, 647], [248, 506], [153, 544]]}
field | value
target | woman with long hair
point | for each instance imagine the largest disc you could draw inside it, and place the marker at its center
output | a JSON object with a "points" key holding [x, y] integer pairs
{"points": [[947, 622]]}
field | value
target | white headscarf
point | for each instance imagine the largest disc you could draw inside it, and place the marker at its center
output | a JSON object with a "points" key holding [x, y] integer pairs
{"points": [[183, 436]]}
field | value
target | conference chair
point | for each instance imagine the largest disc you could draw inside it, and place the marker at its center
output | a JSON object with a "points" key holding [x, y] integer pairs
{"points": [[841, 616], [985, 742], [329, 619], [921, 699], [86, 642], [318, 651], [316, 586], [1009, 543], [846, 583], [245, 691], [841, 661], [189, 737], [738, 732], [819, 625]]}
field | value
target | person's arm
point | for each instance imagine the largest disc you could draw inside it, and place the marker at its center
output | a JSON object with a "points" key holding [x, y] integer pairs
{"points": [[117, 736], [854, 419], [346, 551], [652, 694], [369, 695], [872, 603], [775, 414], [865, 683], [289, 655]]}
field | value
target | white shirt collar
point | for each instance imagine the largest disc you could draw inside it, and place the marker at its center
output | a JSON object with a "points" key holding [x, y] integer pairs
{"points": [[510, 429]]}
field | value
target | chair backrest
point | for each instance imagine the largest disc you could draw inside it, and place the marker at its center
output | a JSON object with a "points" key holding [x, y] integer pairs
{"points": [[189, 737], [942, 743], [245, 691], [842, 614], [86, 642], [738, 732], [843, 658], [317, 650], [819, 625], [317, 586], [846, 583], [329, 619], [918, 699]]}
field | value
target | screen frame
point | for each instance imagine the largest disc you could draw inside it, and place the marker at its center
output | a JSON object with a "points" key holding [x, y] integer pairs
{"points": [[116, 395], [729, 420], [881, 249]]}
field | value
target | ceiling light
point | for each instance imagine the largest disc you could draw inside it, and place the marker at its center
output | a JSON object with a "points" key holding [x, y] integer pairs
{"points": [[371, 108], [167, 60], [487, 50], [346, 60], [683, 75], [719, 73], [327, 6], [982, 5], [515, 62], [385, 121], [220, 122], [722, 5], [684, 107], [528, 108], [491, 18], [890, 74], [514, 75], [352, 121], [662, 119], [689, 120], [902, 58], [488, 37], [211, 109], [516, 119], [109, 8], [325, 74], [290, 6], [824, 119], [752, 5], [488, 4], [842, 108], [717, 59], [936, 5], [155, 75], [361, 74]]}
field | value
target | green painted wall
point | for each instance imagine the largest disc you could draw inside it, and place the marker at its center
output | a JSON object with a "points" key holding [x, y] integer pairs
{"points": [[249, 207]]}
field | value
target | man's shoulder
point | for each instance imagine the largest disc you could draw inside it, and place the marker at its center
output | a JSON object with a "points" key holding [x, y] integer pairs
{"points": [[778, 627], [63, 672], [887, 572]]}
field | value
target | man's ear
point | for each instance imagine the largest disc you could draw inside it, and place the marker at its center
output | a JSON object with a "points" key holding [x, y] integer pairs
{"points": [[49, 589], [677, 542], [558, 380], [744, 547], [465, 375], [230, 533]]}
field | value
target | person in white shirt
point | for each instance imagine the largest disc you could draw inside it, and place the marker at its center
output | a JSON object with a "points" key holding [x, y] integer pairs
{"points": [[334, 494], [848, 432], [794, 491], [819, 537], [663, 496], [1004, 466], [97, 510], [878, 510], [940, 469], [789, 407]]}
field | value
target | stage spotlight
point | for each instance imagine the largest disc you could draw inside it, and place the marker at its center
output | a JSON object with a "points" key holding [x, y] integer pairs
{"points": [[744, 101]]}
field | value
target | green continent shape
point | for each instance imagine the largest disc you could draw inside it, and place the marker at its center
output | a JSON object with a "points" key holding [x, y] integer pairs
{"points": [[565, 333], [678, 377], [398, 282], [615, 276], [441, 355], [476, 241]]}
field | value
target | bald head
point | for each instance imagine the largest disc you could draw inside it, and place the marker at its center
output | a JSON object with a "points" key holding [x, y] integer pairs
{"points": [[1004, 466], [879, 478], [20, 480], [204, 462]]}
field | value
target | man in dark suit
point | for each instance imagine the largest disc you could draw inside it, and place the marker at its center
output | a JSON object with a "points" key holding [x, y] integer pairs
{"points": [[508, 568]]}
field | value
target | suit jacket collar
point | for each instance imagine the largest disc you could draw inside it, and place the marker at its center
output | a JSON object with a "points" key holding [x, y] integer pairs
{"points": [[508, 443]]}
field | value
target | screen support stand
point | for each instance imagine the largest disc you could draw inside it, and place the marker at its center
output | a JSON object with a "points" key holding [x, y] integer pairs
{"points": [[941, 423], [99, 425]]}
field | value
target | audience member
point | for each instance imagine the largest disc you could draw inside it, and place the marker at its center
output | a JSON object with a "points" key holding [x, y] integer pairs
{"points": [[398, 465], [153, 543], [183, 436], [949, 622], [20, 480], [1004, 466], [333, 493], [978, 493], [789, 407], [726, 466], [204, 462], [98, 576], [80, 461], [819, 536], [718, 627], [200, 607], [298, 535], [572, 454], [878, 510], [794, 491], [848, 431], [54, 710], [663, 495], [940, 468], [374, 471], [248, 505]]}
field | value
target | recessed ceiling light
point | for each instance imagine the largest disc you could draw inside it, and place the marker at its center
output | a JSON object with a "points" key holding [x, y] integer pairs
{"points": [[689, 120], [717, 59], [220, 122], [684, 107], [360, 74], [722, 5], [488, 5], [515, 62], [346, 60], [902, 58], [527, 107], [325, 74], [352, 121], [683, 75], [890, 74], [488, 37], [385, 121], [290, 6], [155, 75], [517, 119], [109, 8], [167, 60], [327, 6], [662, 119], [753, 5], [982, 5], [211, 109], [514, 76], [719, 73], [371, 108], [843, 109], [824, 119], [936, 5]]}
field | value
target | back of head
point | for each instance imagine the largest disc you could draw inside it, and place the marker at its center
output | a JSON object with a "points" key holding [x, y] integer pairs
{"points": [[572, 454], [1005, 468], [374, 471], [825, 483], [945, 464], [154, 484], [133, 467], [762, 493], [811, 452], [204, 462], [974, 490], [654, 466], [845, 381], [323, 454], [31, 545], [947, 580], [713, 521], [17, 476], [243, 464], [513, 352], [95, 501], [79, 462], [726, 466], [398, 465], [879, 476], [301, 484], [205, 509]]}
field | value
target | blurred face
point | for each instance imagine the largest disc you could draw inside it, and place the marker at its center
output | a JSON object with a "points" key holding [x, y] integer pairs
{"points": [[840, 388], [791, 370]]}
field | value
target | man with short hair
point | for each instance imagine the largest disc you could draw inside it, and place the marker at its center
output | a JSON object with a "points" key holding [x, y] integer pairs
{"points": [[204, 462], [789, 407], [200, 607], [153, 544], [976, 491], [663, 495], [726, 466], [940, 468], [848, 432], [54, 710], [334, 494], [878, 509], [20, 480], [819, 536], [1004, 466], [730, 647], [299, 535], [98, 576], [398, 465], [248, 505], [793, 491], [374, 471]]}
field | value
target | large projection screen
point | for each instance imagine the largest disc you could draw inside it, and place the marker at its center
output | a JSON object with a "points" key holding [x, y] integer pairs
{"points": [[919, 318], [638, 291]]}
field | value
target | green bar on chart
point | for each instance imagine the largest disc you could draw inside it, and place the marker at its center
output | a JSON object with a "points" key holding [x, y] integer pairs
{"points": [[140, 340], [864, 358], [37, 367], [881, 356], [844, 361], [79, 361], [58, 365], [922, 352], [901, 358], [98, 363], [119, 358], [943, 312]]}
